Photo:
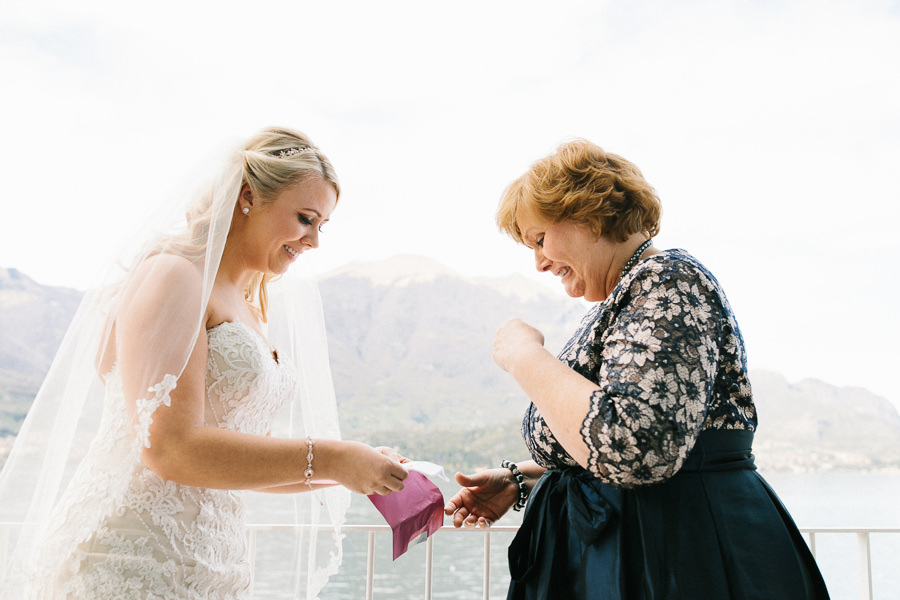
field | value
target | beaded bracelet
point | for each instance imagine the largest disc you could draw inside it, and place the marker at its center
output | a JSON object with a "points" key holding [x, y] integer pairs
{"points": [[520, 481], [308, 473]]}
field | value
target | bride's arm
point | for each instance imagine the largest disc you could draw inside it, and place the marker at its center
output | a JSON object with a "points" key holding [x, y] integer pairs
{"points": [[184, 450], [294, 488], [324, 483]]}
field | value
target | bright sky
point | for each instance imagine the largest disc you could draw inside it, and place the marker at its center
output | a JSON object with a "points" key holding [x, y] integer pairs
{"points": [[771, 130]]}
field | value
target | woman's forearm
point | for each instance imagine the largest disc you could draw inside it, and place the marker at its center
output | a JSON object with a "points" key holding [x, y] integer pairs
{"points": [[217, 458], [531, 472], [295, 488], [560, 394]]}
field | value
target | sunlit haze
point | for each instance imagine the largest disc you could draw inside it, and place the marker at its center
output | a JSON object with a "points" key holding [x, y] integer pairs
{"points": [[770, 129]]}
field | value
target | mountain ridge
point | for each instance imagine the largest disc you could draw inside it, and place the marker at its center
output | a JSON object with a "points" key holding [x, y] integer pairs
{"points": [[404, 269], [410, 344]]}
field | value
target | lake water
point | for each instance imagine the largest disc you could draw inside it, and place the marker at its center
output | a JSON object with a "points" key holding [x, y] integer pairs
{"points": [[814, 499], [847, 500]]}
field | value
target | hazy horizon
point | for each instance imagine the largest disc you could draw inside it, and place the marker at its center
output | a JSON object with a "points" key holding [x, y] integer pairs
{"points": [[423, 267]]}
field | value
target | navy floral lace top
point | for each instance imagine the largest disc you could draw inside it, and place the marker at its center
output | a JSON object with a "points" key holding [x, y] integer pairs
{"points": [[667, 353]]}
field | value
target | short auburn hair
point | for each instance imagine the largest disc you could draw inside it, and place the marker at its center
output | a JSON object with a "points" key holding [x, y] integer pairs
{"points": [[585, 184]]}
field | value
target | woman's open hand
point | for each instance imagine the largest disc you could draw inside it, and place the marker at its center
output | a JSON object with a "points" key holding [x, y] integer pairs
{"points": [[484, 498]]}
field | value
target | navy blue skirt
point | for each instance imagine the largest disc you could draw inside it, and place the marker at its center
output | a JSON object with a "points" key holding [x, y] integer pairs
{"points": [[714, 531]]}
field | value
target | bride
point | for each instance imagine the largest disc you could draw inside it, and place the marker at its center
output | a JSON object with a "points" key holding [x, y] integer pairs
{"points": [[208, 382]]}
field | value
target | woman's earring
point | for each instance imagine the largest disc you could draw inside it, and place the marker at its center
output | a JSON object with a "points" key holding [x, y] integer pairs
{"points": [[246, 210]]}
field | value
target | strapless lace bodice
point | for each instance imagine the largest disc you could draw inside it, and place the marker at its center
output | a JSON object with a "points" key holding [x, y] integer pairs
{"points": [[124, 532], [246, 387]]}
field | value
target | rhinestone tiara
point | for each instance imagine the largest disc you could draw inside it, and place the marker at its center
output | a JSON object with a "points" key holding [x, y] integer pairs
{"points": [[293, 151]]}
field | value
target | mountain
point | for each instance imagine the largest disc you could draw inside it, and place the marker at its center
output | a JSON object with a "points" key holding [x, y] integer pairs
{"points": [[33, 319], [410, 344], [813, 426], [410, 334]]}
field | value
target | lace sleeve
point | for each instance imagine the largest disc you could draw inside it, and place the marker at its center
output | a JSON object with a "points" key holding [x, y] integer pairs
{"points": [[145, 407], [156, 330], [656, 373]]}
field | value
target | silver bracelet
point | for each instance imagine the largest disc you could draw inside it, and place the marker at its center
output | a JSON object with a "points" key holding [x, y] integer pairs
{"points": [[308, 473], [520, 481]]}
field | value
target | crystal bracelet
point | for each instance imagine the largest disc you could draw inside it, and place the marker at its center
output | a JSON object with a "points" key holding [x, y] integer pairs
{"points": [[308, 473], [520, 481]]}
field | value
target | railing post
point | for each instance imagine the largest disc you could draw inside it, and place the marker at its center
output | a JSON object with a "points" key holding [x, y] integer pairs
{"points": [[429, 563], [812, 543], [864, 565], [486, 584], [370, 566]]}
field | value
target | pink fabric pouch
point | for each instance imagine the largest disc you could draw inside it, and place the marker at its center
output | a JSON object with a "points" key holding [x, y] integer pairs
{"points": [[413, 513]]}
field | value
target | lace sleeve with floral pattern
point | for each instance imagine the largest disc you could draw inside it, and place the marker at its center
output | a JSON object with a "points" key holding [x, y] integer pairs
{"points": [[668, 356]]}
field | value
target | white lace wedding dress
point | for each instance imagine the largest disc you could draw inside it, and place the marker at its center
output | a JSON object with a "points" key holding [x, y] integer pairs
{"points": [[123, 532]]}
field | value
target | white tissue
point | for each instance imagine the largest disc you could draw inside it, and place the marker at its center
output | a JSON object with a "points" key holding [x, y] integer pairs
{"points": [[426, 468]]}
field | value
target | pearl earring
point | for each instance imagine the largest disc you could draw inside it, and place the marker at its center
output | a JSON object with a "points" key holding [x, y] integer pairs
{"points": [[246, 210]]}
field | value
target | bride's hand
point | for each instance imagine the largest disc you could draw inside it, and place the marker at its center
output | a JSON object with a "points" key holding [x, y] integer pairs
{"points": [[366, 470], [391, 453]]}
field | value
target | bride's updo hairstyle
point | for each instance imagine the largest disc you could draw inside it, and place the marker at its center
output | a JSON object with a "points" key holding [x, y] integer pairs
{"points": [[271, 161], [276, 159], [583, 183]]}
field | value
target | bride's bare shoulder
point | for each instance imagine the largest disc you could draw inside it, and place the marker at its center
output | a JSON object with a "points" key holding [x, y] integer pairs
{"points": [[164, 279], [169, 270]]}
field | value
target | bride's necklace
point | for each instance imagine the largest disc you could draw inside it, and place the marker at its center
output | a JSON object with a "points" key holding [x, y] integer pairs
{"points": [[635, 257]]}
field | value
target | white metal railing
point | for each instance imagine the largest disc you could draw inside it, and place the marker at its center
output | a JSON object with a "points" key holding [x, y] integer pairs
{"points": [[863, 550], [371, 530]]}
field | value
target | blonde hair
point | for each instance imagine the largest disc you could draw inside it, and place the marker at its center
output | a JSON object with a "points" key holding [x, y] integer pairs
{"points": [[584, 184], [276, 159], [273, 160]]}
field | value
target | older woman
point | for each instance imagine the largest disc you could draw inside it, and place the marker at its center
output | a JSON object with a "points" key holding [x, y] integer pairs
{"points": [[642, 483]]}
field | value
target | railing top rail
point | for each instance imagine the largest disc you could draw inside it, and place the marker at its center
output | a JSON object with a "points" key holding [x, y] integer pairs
{"points": [[505, 528], [363, 527], [849, 529], [513, 528]]}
